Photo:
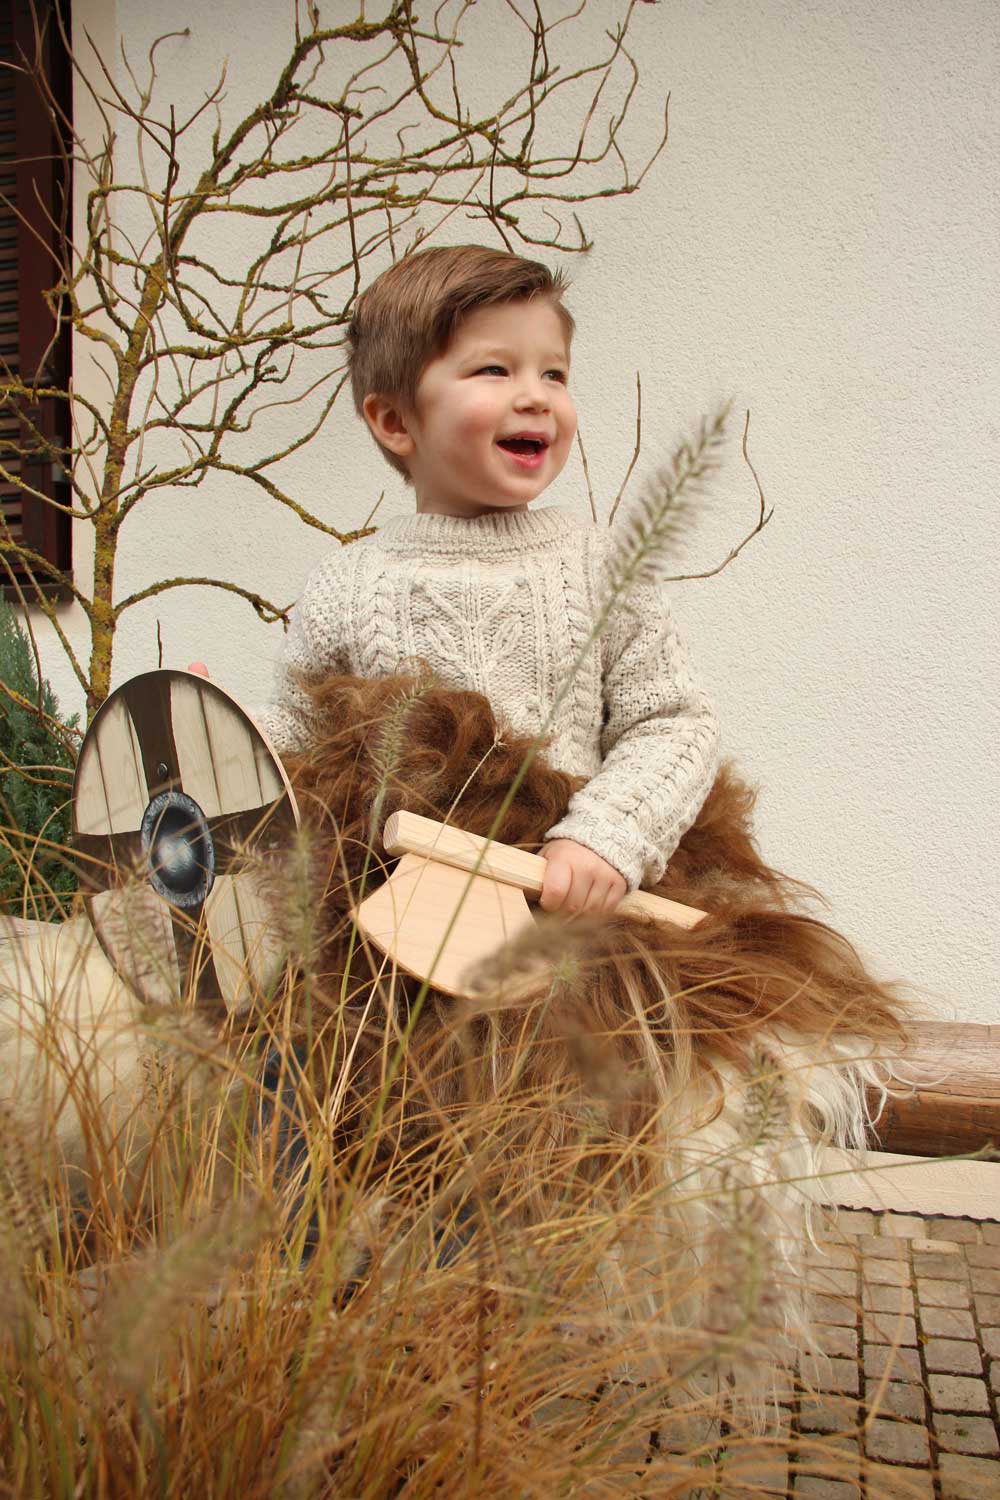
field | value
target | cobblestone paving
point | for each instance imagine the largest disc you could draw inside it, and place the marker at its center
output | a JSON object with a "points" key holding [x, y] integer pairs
{"points": [[906, 1407]]}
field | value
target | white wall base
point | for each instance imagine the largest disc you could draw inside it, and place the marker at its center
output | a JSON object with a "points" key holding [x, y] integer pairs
{"points": [[913, 1184]]}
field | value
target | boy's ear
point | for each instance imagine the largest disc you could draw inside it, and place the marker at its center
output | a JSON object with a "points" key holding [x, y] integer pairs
{"points": [[388, 424]]}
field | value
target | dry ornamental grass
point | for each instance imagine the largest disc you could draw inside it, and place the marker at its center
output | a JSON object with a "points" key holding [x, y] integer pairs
{"points": [[365, 1240]]}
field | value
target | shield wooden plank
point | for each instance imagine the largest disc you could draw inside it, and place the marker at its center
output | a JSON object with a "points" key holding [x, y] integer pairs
{"points": [[180, 811], [110, 792]]}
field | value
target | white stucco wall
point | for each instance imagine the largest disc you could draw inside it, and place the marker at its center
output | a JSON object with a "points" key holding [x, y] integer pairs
{"points": [[820, 241]]}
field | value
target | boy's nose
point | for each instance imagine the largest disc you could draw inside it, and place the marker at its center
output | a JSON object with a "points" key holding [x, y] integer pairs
{"points": [[532, 395]]}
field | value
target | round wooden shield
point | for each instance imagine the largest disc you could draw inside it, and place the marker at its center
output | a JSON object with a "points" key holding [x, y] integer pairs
{"points": [[180, 810]]}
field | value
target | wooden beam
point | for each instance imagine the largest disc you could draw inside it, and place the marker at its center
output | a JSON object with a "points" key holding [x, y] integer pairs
{"points": [[954, 1105]]}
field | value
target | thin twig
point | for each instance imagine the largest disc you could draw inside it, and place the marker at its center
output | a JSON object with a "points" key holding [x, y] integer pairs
{"points": [[635, 450], [586, 475], [764, 515], [368, 519]]}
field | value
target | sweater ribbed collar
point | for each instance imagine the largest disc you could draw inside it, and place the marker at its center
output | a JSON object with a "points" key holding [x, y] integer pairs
{"points": [[497, 534]]}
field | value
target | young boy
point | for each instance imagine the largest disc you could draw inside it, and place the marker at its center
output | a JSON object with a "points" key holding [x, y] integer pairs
{"points": [[459, 361]]}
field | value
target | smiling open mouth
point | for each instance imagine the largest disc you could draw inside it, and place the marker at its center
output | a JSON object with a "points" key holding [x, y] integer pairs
{"points": [[523, 445]]}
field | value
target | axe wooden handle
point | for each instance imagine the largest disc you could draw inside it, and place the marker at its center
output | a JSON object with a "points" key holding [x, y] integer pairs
{"points": [[409, 833]]}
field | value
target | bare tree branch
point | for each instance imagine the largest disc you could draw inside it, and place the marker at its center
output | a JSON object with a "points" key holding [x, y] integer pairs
{"points": [[268, 612], [373, 134]]}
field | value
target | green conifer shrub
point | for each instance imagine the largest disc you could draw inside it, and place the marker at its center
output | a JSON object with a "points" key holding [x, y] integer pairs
{"points": [[36, 784]]}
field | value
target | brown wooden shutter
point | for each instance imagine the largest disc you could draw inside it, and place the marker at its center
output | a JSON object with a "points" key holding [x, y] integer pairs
{"points": [[34, 207]]}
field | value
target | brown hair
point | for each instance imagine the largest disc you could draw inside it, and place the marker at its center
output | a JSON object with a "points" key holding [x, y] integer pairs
{"points": [[409, 314]]}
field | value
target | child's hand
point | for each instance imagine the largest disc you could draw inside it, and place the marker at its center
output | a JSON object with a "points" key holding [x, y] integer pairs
{"points": [[578, 880], [198, 667]]}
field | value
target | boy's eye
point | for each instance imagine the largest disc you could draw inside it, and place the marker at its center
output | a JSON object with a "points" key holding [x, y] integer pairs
{"points": [[561, 375], [491, 370]]}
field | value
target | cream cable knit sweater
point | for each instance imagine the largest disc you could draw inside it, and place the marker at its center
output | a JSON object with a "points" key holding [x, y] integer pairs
{"points": [[503, 604]]}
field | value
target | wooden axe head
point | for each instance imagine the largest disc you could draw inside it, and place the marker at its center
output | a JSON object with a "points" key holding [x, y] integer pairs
{"points": [[456, 897], [436, 922]]}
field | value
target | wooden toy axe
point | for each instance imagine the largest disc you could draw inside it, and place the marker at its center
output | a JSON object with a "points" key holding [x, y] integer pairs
{"points": [[435, 918]]}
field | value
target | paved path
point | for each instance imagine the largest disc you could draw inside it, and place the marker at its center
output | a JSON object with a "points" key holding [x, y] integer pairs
{"points": [[908, 1310], [921, 1351]]}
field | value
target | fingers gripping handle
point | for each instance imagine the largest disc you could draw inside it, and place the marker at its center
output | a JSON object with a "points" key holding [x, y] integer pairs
{"points": [[409, 833]]}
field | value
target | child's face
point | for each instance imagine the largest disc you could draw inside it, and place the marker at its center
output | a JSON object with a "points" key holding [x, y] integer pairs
{"points": [[493, 418]]}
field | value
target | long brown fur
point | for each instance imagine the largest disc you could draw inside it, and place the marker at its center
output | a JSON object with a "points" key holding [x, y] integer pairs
{"points": [[638, 1009]]}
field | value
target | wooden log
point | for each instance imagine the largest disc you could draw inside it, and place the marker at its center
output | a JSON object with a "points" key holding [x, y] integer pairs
{"points": [[954, 1106]]}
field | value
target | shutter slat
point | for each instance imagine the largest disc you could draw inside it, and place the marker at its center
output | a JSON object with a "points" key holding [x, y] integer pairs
{"points": [[10, 495], [27, 151]]}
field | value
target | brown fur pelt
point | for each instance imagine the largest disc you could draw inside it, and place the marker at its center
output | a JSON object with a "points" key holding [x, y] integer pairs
{"points": [[759, 961], [716, 1057]]}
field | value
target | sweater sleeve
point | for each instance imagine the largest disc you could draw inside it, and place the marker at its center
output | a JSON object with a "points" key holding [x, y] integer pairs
{"points": [[314, 644], [659, 745]]}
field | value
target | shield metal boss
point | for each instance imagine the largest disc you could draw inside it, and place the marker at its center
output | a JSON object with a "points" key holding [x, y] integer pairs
{"points": [[180, 812]]}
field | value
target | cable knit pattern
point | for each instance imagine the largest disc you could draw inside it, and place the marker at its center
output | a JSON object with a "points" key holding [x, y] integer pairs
{"points": [[504, 604]]}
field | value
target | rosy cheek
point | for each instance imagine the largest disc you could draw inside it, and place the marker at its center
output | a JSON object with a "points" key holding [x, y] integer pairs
{"points": [[477, 416]]}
